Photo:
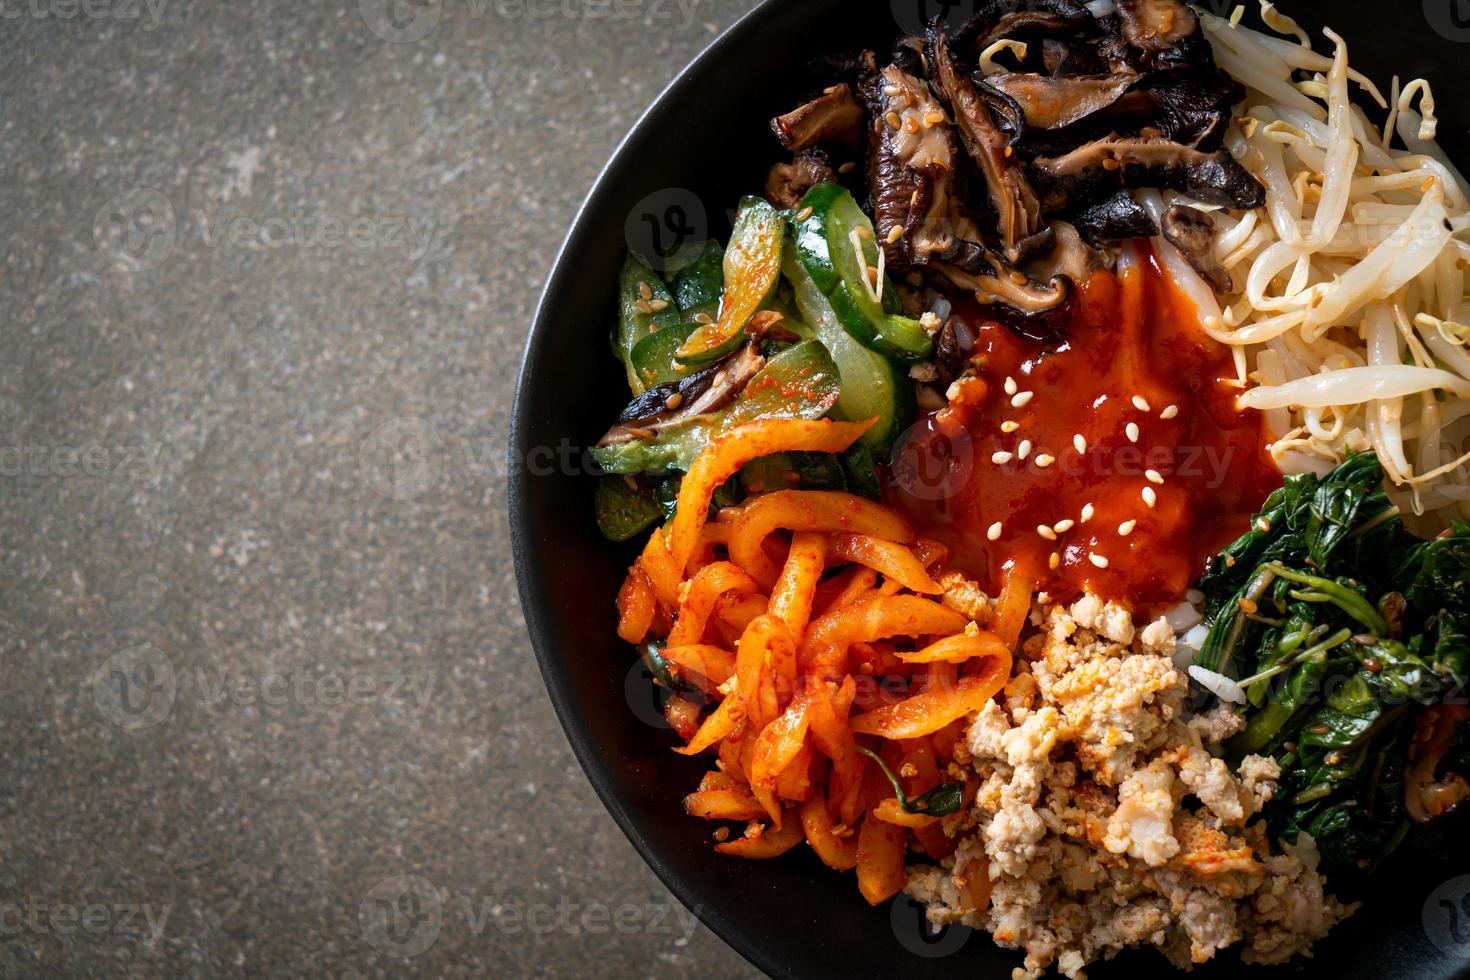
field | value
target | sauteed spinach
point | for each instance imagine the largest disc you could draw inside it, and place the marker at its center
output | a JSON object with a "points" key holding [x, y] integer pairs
{"points": [[1348, 642]]}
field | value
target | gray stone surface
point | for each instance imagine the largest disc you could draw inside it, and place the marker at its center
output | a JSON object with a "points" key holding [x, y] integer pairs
{"points": [[255, 668]]}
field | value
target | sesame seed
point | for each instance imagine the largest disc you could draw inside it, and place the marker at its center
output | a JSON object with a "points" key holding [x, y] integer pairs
{"points": [[1140, 403], [803, 214], [1169, 412], [893, 121], [1011, 386], [1126, 528], [1086, 512], [1020, 400], [1097, 560], [1149, 497], [1262, 524], [645, 290], [933, 118], [993, 532], [1132, 431], [1153, 476], [658, 305], [1046, 532], [895, 233], [1024, 449], [1009, 426], [674, 400], [891, 90], [1054, 560], [1044, 460], [1079, 443], [1001, 457], [1062, 527]]}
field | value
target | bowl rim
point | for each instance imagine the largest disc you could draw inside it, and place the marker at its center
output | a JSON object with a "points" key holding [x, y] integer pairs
{"points": [[562, 277], [526, 557]]}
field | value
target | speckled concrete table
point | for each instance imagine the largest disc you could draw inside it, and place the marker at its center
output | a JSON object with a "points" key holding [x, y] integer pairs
{"points": [[266, 703]]}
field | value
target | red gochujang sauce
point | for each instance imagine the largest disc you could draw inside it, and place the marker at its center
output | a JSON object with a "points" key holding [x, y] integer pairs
{"points": [[1134, 353]]}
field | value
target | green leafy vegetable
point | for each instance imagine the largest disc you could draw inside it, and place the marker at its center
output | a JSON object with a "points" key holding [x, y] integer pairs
{"points": [[1341, 628]]}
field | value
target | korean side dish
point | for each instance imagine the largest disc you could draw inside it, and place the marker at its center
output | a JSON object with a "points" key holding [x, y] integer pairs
{"points": [[1050, 498]]}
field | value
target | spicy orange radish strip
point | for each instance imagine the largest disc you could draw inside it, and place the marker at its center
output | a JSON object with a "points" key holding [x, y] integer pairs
{"points": [[729, 451], [891, 811], [714, 664], [1011, 608], [807, 510], [794, 783], [880, 850], [958, 649], [929, 551], [838, 853], [843, 588], [896, 562], [931, 710], [764, 843], [733, 613], [662, 573], [715, 779], [877, 618], [827, 714], [703, 589], [791, 599], [765, 668], [734, 803], [721, 722], [636, 606], [776, 747], [710, 536]]}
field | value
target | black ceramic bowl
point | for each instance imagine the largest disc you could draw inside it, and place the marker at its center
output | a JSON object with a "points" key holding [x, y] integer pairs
{"points": [[703, 144]]}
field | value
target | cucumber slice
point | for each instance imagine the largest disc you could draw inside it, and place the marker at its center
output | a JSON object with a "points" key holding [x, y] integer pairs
{"points": [[653, 356], [800, 382], [836, 244], [790, 471], [871, 384], [696, 287], [752, 270], [640, 315], [623, 511], [862, 474]]}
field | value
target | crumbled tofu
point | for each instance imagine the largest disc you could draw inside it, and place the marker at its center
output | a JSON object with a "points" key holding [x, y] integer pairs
{"points": [[964, 596], [1080, 821], [1217, 724], [1143, 824]]}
